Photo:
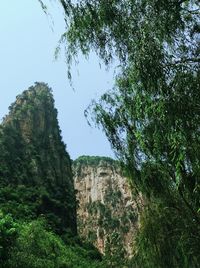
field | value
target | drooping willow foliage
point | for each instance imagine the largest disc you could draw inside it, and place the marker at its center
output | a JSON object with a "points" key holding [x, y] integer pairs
{"points": [[152, 115]]}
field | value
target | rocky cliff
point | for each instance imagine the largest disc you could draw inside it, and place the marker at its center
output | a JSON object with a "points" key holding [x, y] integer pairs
{"points": [[35, 169], [107, 212]]}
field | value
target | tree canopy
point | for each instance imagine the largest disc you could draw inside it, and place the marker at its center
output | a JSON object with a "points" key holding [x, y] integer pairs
{"points": [[151, 116]]}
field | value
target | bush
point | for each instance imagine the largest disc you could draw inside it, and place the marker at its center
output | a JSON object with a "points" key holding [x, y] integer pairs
{"points": [[35, 247]]}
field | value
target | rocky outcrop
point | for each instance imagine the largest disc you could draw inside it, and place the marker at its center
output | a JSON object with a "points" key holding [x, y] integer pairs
{"points": [[107, 211], [35, 169]]}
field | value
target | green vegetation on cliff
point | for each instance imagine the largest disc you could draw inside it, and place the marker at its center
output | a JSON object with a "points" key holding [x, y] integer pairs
{"points": [[94, 160], [37, 197], [107, 215], [35, 169]]}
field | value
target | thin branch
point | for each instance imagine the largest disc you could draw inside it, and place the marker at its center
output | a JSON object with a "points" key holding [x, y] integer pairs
{"points": [[183, 61], [193, 60]]}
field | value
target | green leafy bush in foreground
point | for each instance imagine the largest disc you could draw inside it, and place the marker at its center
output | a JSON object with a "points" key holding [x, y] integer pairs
{"points": [[30, 245]]}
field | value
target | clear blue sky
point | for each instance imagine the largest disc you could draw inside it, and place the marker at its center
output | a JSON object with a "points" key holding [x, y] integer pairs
{"points": [[27, 55]]}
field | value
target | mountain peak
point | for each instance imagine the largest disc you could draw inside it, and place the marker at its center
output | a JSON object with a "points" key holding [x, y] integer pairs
{"points": [[34, 113], [34, 155]]}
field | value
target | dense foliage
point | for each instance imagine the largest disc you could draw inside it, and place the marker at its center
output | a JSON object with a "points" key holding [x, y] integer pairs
{"points": [[94, 160], [151, 117], [32, 245]]}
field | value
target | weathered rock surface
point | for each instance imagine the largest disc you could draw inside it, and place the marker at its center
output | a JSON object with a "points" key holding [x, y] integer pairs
{"points": [[107, 213]]}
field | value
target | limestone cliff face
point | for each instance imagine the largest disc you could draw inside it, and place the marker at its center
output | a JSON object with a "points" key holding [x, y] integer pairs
{"points": [[34, 161], [107, 213]]}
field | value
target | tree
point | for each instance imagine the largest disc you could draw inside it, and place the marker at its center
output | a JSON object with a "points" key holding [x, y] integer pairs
{"points": [[32, 245], [8, 235], [152, 115]]}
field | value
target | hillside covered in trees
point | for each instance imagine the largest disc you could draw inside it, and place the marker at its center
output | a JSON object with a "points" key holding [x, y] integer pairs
{"points": [[37, 197]]}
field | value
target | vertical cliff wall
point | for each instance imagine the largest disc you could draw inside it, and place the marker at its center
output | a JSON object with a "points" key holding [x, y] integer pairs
{"points": [[107, 212], [35, 169]]}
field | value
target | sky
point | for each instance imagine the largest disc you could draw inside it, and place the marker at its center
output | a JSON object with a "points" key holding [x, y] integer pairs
{"points": [[28, 41]]}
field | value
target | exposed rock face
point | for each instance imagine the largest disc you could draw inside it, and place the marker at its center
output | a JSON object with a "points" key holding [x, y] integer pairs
{"points": [[107, 212], [34, 161]]}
